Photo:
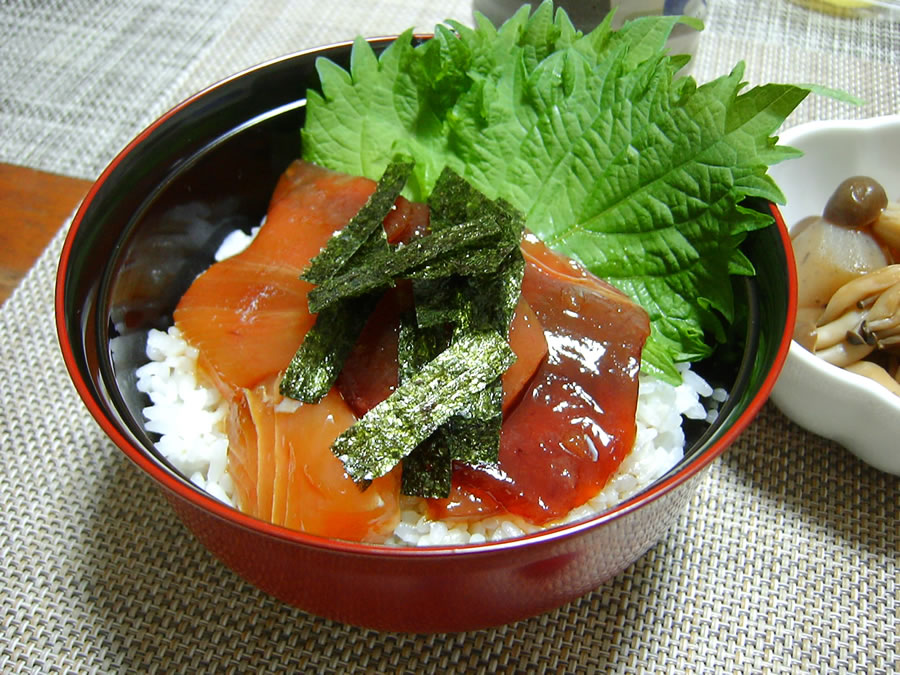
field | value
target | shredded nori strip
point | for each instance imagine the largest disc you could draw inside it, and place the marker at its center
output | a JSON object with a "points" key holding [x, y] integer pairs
{"points": [[320, 357], [474, 434], [473, 441], [482, 302], [467, 277], [494, 297], [453, 200], [342, 247], [428, 469], [439, 301], [477, 303], [417, 408], [475, 247], [471, 303], [417, 345]]}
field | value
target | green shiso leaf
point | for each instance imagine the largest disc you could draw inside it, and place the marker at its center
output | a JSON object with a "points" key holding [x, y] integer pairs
{"points": [[613, 157], [363, 227], [417, 408]]}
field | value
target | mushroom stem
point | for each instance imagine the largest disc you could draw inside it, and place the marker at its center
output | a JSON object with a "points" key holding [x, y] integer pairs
{"points": [[858, 290], [887, 306], [843, 353], [881, 326], [837, 331], [888, 342], [884, 327]]}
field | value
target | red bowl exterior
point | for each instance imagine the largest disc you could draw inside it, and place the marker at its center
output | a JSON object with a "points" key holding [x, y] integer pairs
{"points": [[434, 590], [397, 589]]}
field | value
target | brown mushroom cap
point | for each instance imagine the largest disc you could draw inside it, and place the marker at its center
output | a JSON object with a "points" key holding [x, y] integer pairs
{"points": [[856, 202]]}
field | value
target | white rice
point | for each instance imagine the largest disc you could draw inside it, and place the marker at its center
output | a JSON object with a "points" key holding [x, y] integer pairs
{"points": [[190, 418]]}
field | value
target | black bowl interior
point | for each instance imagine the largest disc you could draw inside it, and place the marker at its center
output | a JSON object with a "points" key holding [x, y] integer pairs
{"points": [[209, 167]]}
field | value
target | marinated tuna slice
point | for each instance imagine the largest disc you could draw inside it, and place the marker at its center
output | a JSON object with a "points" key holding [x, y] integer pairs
{"points": [[406, 221], [243, 447], [575, 422], [299, 483], [370, 372], [263, 420], [321, 498], [526, 338], [248, 314]]}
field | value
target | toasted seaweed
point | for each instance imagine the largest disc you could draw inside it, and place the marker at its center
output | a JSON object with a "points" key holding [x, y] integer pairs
{"points": [[452, 350], [320, 357], [475, 442], [417, 408], [475, 247], [363, 227], [476, 303], [453, 200], [439, 301], [428, 469]]}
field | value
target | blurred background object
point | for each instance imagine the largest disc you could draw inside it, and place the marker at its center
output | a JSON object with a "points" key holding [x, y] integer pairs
{"points": [[586, 14], [850, 8]]}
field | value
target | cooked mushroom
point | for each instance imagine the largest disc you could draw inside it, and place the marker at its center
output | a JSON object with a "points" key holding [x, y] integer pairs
{"points": [[849, 281], [873, 321], [882, 322], [859, 292], [856, 202], [845, 353], [805, 330], [842, 328], [860, 331]]}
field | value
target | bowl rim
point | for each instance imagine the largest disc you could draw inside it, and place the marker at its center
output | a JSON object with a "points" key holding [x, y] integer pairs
{"points": [[792, 134], [198, 498]]}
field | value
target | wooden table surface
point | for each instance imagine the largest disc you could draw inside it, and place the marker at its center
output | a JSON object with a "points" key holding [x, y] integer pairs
{"points": [[33, 206]]}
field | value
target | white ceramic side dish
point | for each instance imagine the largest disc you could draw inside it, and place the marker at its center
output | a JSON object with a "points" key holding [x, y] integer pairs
{"points": [[827, 400]]}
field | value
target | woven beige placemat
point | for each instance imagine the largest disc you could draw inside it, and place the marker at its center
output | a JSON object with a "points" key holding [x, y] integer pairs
{"points": [[786, 559]]}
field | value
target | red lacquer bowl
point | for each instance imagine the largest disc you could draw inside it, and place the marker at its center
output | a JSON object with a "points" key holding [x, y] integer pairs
{"points": [[151, 223]]}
